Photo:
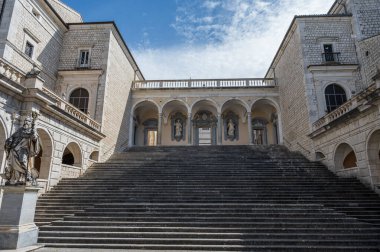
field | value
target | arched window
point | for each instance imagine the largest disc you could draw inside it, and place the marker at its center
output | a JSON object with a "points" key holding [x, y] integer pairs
{"points": [[335, 96], [79, 98]]}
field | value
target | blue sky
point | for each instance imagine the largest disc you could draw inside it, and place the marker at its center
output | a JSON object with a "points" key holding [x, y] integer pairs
{"points": [[181, 39]]}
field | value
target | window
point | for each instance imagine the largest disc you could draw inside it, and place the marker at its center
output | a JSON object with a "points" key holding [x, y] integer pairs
{"points": [[84, 58], [335, 96], [79, 98], [29, 49]]}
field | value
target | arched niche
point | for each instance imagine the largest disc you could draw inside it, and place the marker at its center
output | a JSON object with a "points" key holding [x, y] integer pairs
{"points": [[72, 155], [145, 123], [373, 152], [345, 157], [234, 121], [94, 156], [42, 162], [175, 121]]}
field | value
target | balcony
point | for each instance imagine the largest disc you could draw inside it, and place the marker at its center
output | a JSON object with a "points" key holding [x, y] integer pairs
{"points": [[359, 102], [204, 83], [331, 58]]}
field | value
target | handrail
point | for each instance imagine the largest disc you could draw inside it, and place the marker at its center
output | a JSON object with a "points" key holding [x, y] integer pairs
{"points": [[203, 83], [72, 110], [11, 72]]}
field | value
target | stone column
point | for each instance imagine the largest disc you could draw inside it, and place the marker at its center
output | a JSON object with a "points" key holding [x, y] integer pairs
{"points": [[219, 130], [17, 227], [189, 129], [250, 128], [159, 130]]}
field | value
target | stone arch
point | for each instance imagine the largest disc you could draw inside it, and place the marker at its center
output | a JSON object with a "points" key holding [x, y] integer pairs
{"points": [[143, 130], [373, 155], [94, 156], [234, 115], [344, 157], [266, 110], [205, 122], [175, 118], [44, 159], [72, 155], [205, 103]]}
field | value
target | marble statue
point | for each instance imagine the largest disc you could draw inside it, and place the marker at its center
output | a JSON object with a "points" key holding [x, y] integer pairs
{"points": [[20, 148], [230, 128], [178, 128]]}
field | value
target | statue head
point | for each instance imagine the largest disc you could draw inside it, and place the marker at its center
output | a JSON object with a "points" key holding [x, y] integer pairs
{"points": [[28, 122]]}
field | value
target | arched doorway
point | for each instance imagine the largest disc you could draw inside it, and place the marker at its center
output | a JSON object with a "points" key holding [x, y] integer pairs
{"points": [[345, 157], [205, 123], [373, 152], [265, 123], [43, 161], [145, 124]]}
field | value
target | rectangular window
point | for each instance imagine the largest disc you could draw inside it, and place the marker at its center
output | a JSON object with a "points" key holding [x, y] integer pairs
{"points": [[84, 58], [29, 48]]}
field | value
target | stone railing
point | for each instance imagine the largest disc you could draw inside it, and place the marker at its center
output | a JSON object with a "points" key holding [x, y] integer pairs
{"points": [[72, 110], [69, 171], [345, 108], [203, 83], [10, 71]]}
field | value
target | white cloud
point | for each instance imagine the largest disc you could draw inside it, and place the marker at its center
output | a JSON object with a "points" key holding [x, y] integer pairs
{"points": [[240, 43], [211, 4]]}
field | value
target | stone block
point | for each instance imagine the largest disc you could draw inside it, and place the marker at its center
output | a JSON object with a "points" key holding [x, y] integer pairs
{"points": [[17, 227]]}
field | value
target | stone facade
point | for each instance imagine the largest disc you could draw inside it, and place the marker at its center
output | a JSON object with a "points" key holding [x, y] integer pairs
{"points": [[93, 100]]}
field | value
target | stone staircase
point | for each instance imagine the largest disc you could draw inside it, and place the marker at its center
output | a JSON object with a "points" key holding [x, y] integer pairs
{"points": [[212, 198]]}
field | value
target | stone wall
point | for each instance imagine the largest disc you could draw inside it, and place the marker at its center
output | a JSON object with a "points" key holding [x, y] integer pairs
{"points": [[355, 132], [116, 113], [66, 13], [370, 57], [290, 74], [366, 17], [28, 23]]}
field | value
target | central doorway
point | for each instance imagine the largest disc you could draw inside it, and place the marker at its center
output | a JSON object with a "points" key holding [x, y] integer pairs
{"points": [[204, 136], [205, 124], [151, 137]]}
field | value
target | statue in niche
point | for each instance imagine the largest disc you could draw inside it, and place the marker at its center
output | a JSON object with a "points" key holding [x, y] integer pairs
{"points": [[231, 126], [20, 148], [178, 127]]}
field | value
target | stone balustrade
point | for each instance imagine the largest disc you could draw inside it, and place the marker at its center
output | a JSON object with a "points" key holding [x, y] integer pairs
{"points": [[345, 108], [10, 71], [72, 110], [69, 171], [203, 83]]}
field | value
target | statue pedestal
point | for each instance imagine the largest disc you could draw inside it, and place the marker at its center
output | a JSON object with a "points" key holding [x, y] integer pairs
{"points": [[17, 209]]}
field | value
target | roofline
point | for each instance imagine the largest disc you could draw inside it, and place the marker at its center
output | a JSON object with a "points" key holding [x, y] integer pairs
{"points": [[290, 27], [332, 7], [56, 13], [119, 33]]}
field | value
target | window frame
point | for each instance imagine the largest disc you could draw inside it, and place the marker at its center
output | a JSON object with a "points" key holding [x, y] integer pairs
{"points": [[328, 106], [80, 100], [80, 51], [29, 49]]}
